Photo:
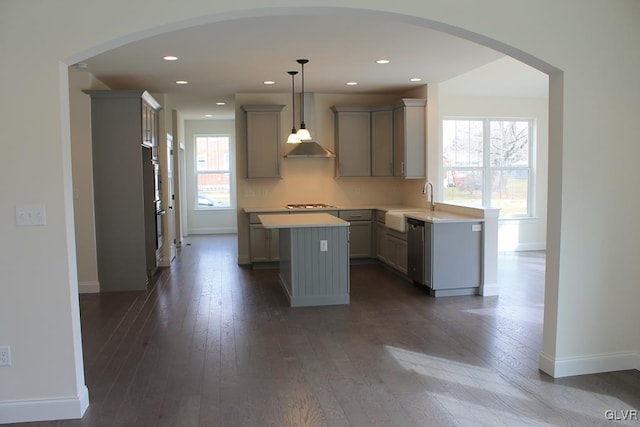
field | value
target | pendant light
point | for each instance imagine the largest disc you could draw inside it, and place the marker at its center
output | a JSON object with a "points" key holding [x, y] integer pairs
{"points": [[293, 137], [303, 134]]}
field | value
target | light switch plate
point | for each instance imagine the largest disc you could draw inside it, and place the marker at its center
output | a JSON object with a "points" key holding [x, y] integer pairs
{"points": [[27, 215], [476, 227], [323, 246]]}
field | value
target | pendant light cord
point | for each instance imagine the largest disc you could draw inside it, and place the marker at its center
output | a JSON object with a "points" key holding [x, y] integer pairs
{"points": [[302, 125], [293, 100]]}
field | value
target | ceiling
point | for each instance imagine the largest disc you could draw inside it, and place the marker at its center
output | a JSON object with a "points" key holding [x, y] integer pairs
{"points": [[224, 58]]}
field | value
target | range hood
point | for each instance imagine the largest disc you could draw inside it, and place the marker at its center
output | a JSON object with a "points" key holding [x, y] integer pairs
{"points": [[309, 148]]}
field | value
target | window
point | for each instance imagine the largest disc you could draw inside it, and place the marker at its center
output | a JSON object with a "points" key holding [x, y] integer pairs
{"points": [[488, 162], [213, 175]]}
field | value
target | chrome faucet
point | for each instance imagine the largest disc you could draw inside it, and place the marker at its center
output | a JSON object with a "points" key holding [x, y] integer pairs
{"points": [[425, 190]]}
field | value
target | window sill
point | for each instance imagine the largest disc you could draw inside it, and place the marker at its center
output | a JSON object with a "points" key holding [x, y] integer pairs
{"points": [[520, 220], [214, 210]]}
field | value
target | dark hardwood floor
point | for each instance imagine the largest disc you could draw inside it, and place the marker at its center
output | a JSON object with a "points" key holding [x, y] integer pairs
{"points": [[215, 344]]}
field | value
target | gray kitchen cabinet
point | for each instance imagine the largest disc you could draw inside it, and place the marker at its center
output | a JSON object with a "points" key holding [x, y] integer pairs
{"points": [[264, 245], [353, 140], [263, 139], [391, 245], [395, 246], [124, 131], [149, 125], [360, 232], [381, 232], [453, 258], [409, 138], [382, 142]]}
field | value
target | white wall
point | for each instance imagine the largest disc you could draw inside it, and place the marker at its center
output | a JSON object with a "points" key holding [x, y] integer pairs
{"points": [[590, 49], [201, 221], [82, 166]]}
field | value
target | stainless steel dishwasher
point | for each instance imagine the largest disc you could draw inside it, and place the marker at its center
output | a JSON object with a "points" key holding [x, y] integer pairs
{"points": [[415, 250]]}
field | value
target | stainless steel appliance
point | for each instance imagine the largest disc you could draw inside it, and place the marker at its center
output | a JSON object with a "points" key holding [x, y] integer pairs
{"points": [[416, 251]]}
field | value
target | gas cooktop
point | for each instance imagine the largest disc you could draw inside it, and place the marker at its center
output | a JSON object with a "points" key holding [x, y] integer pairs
{"points": [[308, 206]]}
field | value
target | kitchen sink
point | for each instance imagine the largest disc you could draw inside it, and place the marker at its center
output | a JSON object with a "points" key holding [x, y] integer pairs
{"points": [[396, 220]]}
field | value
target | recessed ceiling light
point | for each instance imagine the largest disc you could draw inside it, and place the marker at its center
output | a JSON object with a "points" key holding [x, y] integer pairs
{"points": [[181, 82], [415, 79], [208, 115], [220, 103], [382, 61], [170, 58], [352, 83], [269, 82]]}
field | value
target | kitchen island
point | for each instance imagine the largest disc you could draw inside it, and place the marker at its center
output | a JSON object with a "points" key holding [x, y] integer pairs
{"points": [[314, 257]]}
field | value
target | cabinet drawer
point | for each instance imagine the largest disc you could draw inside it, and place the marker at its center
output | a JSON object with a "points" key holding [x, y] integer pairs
{"points": [[356, 215]]}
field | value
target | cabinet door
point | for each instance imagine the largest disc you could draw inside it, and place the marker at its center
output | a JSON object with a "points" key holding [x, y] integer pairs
{"points": [[360, 239], [401, 255], [380, 241], [382, 143], [258, 243], [263, 140], [398, 142], [409, 139], [353, 140]]}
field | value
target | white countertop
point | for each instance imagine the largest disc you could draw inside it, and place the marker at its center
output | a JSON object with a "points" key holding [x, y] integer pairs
{"points": [[440, 216], [301, 220], [264, 209]]}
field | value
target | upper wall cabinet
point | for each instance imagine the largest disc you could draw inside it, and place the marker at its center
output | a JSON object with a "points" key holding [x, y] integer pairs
{"points": [[263, 140], [388, 140], [353, 140], [382, 142], [409, 138]]}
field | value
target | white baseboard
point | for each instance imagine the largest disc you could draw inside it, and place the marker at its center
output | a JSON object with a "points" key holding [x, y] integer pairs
{"points": [[88, 287], [213, 230], [534, 246], [63, 408], [591, 364], [490, 290]]}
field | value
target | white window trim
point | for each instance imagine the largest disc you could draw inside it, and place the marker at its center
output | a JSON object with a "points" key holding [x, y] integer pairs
{"points": [[486, 168], [232, 174]]}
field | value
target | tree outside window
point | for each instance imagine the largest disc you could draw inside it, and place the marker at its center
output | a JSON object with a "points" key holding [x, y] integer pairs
{"points": [[488, 162], [213, 175]]}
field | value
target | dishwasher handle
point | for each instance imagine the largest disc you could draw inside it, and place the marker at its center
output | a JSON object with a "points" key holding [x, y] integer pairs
{"points": [[415, 223]]}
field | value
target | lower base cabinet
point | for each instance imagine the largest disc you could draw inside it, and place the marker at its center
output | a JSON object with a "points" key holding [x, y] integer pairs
{"points": [[391, 245], [360, 232], [264, 244], [395, 245]]}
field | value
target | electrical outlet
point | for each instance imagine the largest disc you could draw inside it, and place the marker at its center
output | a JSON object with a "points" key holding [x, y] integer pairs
{"points": [[323, 246], [5, 356]]}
